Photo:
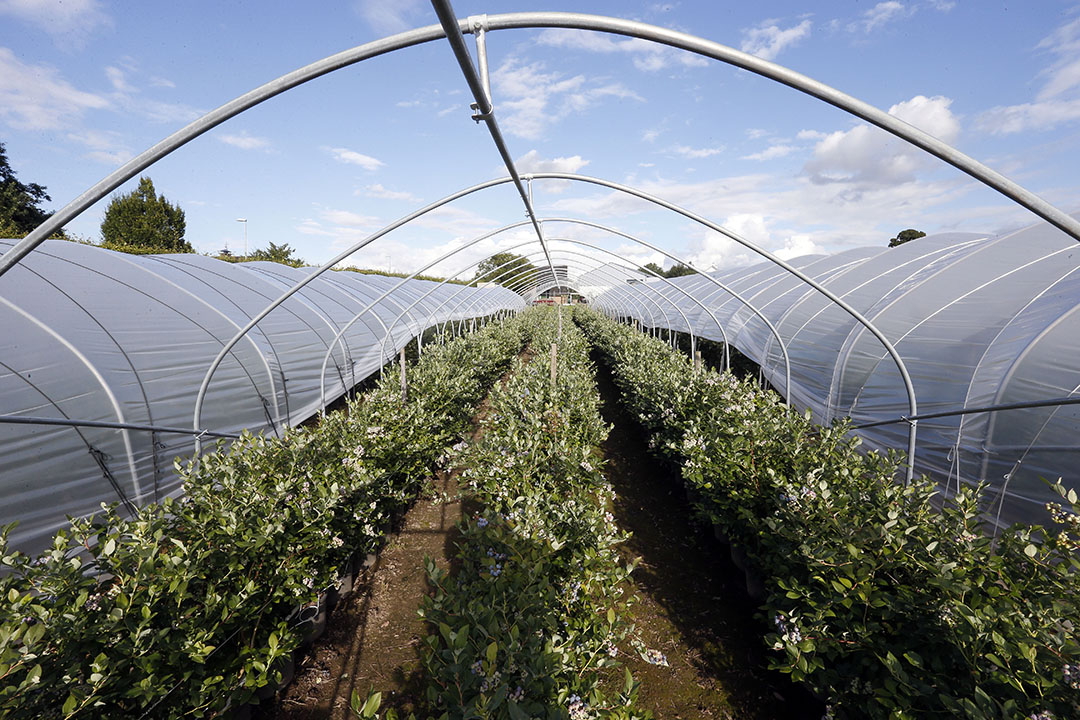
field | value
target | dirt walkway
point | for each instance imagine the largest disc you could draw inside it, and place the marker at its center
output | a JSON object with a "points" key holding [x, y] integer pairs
{"points": [[692, 606], [372, 642]]}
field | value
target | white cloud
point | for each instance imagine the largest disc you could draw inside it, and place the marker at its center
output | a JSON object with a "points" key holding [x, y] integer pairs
{"points": [[943, 5], [458, 222], [36, 97], [118, 79], [70, 23], [104, 146], [879, 16], [650, 135], [382, 193], [867, 156], [346, 218], [756, 133], [534, 99], [126, 96], [391, 17], [772, 152], [1029, 116], [842, 215], [244, 141], [647, 56], [531, 162], [797, 246], [352, 157], [768, 40], [696, 153], [1058, 100], [810, 135]]}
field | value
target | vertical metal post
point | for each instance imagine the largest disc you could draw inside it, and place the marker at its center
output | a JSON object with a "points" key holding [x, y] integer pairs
{"points": [[404, 382], [554, 353], [697, 361]]}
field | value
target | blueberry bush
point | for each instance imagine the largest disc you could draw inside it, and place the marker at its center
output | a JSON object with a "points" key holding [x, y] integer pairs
{"points": [[884, 599], [191, 606]]}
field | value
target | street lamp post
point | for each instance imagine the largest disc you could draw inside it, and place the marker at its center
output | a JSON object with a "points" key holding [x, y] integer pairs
{"points": [[244, 220]]}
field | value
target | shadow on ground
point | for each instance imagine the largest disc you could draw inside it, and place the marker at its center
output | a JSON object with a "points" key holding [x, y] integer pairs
{"points": [[693, 606]]}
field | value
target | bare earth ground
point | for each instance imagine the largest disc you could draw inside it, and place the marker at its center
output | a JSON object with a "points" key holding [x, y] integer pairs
{"points": [[372, 641], [692, 606]]}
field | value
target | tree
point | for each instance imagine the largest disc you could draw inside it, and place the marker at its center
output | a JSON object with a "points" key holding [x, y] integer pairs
{"points": [[905, 236], [20, 210], [144, 222], [655, 268], [505, 268], [277, 253], [678, 270]]}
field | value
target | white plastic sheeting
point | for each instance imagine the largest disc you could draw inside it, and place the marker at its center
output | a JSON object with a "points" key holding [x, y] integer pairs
{"points": [[90, 334], [978, 321]]}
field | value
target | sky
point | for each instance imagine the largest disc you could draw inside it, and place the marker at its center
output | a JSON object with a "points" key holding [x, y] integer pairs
{"points": [[85, 85]]}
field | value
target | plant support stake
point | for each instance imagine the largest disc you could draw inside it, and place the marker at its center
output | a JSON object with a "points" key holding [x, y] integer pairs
{"points": [[554, 353], [404, 382]]}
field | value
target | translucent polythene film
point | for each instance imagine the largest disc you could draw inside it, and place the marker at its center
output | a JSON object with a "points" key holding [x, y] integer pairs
{"points": [[91, 334], [978, 321]]}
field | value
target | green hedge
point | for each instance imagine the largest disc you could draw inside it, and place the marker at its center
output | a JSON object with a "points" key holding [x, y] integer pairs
{"points": [[190, 605], [528, 623], [881, 603]]}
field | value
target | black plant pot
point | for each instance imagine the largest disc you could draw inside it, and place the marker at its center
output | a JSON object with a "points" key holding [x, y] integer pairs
{"points": [[312, 623]]}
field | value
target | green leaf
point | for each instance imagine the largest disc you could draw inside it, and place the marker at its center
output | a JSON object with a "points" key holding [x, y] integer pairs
{"points": [[914, 658], [110, 546], [69, 705], [611, 616], [492, 651], [516, 713], [1031, 550], [371, 706]]}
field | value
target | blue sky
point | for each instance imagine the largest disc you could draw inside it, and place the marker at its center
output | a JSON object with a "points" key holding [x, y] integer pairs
{"points": [[85, 85]]}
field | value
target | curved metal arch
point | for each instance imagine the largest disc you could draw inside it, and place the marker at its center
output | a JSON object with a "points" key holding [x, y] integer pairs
{"points": [[625, 288], [554, 283], [723, 333], [566, 20], [318, 311], [529, 272], [101, 380], [727, 359], [323, 268], [905, 376], [579, 21]]}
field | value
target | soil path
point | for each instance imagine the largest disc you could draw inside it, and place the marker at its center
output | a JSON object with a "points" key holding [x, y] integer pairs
{"points": [[692, 605], [372, 640]]}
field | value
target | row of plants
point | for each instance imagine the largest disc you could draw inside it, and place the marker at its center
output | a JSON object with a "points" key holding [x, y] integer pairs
{"points": [[529, 622], [886, 599], [191, 606]]}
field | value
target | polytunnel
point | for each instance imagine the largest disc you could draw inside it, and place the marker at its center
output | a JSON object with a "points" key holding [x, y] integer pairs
{"points": [[980, 323], [102, 337], [962, 325], [669, 503]]}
